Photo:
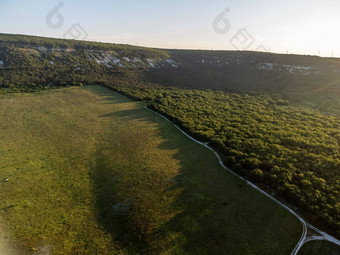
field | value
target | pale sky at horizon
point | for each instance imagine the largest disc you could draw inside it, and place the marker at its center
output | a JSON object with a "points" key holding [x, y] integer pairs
{"points": [[300, 27]]}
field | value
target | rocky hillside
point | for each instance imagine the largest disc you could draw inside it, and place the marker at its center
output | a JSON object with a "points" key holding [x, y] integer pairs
{"points": [[311, 79], [126, 56], [27, 52]]}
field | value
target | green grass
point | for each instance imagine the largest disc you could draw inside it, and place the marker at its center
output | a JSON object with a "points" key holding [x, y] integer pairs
{"points": [[319, 248], [91, 172]]}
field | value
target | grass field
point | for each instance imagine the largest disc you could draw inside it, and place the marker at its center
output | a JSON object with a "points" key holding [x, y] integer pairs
{"points": [[87, 171], [319, 248]]}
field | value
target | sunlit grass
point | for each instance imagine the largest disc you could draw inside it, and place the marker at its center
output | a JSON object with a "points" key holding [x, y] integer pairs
{"points": [[91, 172]]}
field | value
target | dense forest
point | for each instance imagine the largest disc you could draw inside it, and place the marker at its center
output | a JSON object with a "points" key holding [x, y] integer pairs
{"points": [[289, 149]]}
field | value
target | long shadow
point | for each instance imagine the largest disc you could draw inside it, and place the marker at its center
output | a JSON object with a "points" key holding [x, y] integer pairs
{"points": [[128, 115], [107, 95], [213, 212], [105, 185]]}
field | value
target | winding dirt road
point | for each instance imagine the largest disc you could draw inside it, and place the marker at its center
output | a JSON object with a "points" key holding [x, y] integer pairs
{"points": [[305, 237]]}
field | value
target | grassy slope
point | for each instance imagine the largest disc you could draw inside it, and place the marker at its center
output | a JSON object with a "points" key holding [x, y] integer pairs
{"points": [[71, 155]]}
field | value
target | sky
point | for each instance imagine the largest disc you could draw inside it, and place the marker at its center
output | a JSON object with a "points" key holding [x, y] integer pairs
{"points": [[293, 26]]}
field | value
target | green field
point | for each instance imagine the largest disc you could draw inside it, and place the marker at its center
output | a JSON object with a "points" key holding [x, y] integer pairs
{"points": [[319, 248], [91, 172]]}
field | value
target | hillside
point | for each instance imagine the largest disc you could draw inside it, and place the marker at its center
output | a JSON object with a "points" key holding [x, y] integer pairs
{"points": [[274, 118], [301, 79], [310, 80]]}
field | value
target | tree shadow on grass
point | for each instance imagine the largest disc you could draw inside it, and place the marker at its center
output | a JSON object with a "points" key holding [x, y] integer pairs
{"points": [[212, 212], [128, 115], [107, 95], [106, 183]]}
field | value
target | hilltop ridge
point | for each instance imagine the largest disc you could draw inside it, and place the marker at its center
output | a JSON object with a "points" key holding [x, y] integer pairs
{"points": [[311, 80]]}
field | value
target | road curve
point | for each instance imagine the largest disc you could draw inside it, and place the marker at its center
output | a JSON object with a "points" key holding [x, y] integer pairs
{"points": [[305, 225]]}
